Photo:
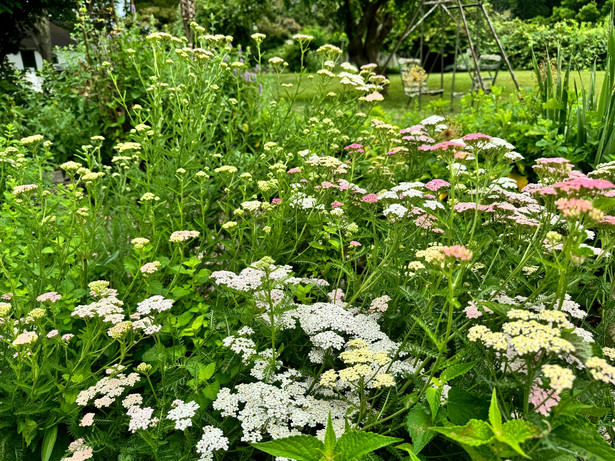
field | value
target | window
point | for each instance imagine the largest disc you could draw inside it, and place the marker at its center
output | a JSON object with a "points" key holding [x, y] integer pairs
{"points": [[28, 59]]}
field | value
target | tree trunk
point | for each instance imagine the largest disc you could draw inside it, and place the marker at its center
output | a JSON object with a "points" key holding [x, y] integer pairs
{"points": [[366, 36], [42, 38], [187, 8]]}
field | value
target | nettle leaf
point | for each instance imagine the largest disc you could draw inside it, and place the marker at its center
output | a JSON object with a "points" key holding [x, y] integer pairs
{"points": [[330, 438], [517, 431], [433, 396], [417, 424], [495, 416], [581, 437], [475, 433], [456, 370], [297, 447], [463, 406], [352, 445]]}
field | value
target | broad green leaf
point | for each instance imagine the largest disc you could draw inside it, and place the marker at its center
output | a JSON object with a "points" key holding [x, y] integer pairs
{"points": [[297, 447], [581, 437], [433, 398], [352, 445], [211, 391], [517, 431], [456, 370], [330, 438], [49, 440], [475, 433], [207, 372], [495, 417], [417, 424], [463, 406], [408, 448]]}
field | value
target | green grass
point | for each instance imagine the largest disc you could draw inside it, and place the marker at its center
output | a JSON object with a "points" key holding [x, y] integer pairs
{"points": [[396, 103]]}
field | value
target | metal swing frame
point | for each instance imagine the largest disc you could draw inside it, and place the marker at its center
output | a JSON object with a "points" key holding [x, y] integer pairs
{"points": [[446, 7]]}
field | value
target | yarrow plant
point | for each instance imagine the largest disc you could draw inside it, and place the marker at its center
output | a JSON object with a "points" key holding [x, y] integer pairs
{"points": [[231, 275]]}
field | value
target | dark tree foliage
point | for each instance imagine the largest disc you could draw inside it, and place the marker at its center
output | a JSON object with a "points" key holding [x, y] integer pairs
{"points": [[18, 18]]}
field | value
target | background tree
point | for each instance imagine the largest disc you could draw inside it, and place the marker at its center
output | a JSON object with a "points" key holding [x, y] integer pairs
{"points": [[20, 19]]}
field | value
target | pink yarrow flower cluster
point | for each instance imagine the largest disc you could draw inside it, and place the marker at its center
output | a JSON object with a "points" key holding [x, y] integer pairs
{"points": [[79, 451], [370, 198], [436, 184], [51, 296], [458, 252], [443, 146], [576, 208], [355, 148]]}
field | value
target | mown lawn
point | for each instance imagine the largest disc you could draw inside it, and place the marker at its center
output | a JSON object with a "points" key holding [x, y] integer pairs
{"points": [[396, 103]]}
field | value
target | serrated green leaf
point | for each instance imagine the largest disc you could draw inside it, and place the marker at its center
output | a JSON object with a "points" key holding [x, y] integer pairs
{"points": [[417, 424], [581, 437], [433, 398], [495, 416], [297, 447], [352, 445], [475, 433], [456, 370], [462, 406], [517, 431], [206, 372], [330, 438]]}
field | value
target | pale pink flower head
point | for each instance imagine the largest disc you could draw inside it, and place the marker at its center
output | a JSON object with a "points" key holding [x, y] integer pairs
{"points": [[79, 451], [542, 400], [436, 184], [354, 148], [607, 221], [476, 137], [336, 204], [53, 333], [457, 252], [294, 170], [354, 243], [51, 297], [461, 155], [276, 201], [67, 337], [574, 208], [552, 169], [583, 185], [87, 420], [472, 311], [7, 296], [444, 146], [370, 198]]}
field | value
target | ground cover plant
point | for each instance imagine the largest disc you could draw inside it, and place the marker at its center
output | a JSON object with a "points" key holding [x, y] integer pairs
{"points": [[244, 280]]}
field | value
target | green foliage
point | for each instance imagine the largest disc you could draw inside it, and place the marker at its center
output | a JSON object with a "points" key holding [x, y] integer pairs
{"points": [[349, 447], [494, 434]]}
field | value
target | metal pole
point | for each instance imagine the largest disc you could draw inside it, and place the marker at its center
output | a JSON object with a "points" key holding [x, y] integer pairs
{"points": [[409, 29], [474, 58], [442, 52], [421, 58], [497, 40], [454, 65]]}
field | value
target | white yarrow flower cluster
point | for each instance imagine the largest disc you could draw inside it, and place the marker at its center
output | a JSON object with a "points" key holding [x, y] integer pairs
{"points": [[182, 413], [213, 439], [109, 388]]}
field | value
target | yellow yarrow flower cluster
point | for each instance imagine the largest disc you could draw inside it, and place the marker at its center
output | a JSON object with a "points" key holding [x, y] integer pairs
{"points": [[526, 335], [365, 363]]}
